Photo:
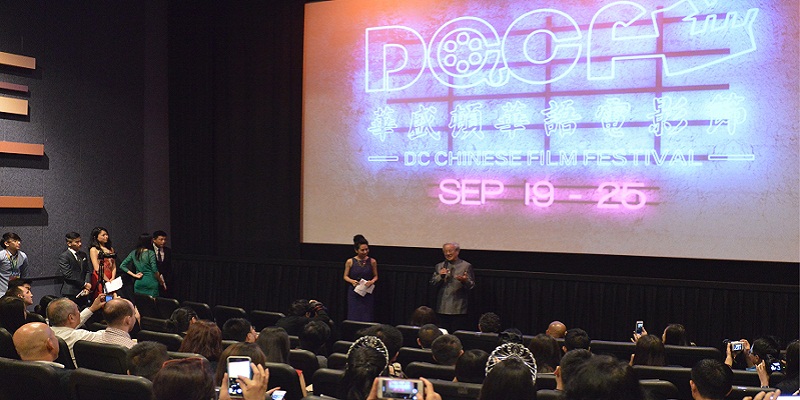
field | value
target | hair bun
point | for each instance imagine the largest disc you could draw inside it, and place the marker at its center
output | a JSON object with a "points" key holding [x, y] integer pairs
{"points": [[359, 238]]}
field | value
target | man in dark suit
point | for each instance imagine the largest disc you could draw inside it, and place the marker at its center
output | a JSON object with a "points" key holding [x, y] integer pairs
{"points": [[74, 267], [163, 257]]}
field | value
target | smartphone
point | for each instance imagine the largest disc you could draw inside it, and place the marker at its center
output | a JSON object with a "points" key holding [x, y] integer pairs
{"points": [[237, 366], [109, 298], [737, 346], [393, 388], [278, 394], [639, 327]]}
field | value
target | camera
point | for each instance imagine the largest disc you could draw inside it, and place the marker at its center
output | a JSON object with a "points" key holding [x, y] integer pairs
{"points": [[774, 364], [737, 346], [393, 388]]}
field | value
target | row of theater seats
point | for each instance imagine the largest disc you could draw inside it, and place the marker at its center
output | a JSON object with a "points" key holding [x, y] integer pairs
{"points": [[155, 312]]}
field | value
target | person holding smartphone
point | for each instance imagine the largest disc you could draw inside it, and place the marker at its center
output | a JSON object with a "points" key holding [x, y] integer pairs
{"points": [[252, 388]]}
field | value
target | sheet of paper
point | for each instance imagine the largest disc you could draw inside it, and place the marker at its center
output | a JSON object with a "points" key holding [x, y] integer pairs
{"points": [[362, 289], [114, 285]]}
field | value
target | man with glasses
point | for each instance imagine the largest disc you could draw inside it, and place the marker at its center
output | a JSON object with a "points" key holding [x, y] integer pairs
{"points": [[13, 261]]}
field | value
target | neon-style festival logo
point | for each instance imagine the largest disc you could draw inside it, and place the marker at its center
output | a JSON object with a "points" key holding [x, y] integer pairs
{"points": [[480, 78]]}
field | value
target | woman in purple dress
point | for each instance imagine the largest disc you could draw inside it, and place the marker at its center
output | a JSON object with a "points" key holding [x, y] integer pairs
{"points": [[360, 308]]}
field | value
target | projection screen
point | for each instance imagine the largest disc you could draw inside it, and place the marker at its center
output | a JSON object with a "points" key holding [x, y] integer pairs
{"points": [[652, 128]]}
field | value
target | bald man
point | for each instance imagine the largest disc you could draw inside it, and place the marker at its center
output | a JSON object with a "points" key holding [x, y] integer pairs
{"points": [[121, 317], [556, 330], [36, 342]]}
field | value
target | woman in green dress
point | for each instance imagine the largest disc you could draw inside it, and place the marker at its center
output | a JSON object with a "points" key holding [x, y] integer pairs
{"points": [[144, 259]]}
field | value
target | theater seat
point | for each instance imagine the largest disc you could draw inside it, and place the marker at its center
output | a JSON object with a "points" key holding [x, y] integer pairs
{"points": [[285, 376], [477, 340], [620, 350], [545, 381], [407, 355], [341, 346], [171, 340], [100, 357], [146, 305], [410, 335], [305, 361], [202, 309], [7, 348], [430, 371], [337, 360], [64, 355], [223, 313], [21, 380], [349, 329], [678, 376], [166, 306], [326, 381], [262, 319], [87, 384], [656, 389], [450, 390], [688, 356], [549, 394], [740, 392]]}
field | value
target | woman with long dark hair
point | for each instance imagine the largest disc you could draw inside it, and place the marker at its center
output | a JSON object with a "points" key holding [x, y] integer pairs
{"points": [[104, 260], [12, 313], [649, 351], [144, 260]]}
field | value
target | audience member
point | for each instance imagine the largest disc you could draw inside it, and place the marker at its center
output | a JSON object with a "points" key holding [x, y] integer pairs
{"points": [[545, 350], [146, 358], [446, 349], [576, 338], [391, 337], [569, 365], [181, 318], [184, 379], [423, 315], [510, 335], [763, 349], [204, 338], [791, 381], [314, 338], [240, 330], [300, 313], [471, 366], [711, 380], [367, 359], [65, 319], [13, 261], [603, 378], [274, 342], [12, 313], [556, 330], [675, 335], [489, 323], [251, 350], [649, 351], [427, 334], [509, 379], [21, 289], [121, 316], [36, 342]]}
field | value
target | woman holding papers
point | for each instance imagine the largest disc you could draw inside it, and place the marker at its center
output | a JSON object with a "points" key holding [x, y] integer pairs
{"points": [[144, 259], [104, 261], [361, 272]]}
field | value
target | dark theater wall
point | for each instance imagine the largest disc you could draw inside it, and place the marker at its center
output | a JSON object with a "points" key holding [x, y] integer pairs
{"points": [[86, 106]]}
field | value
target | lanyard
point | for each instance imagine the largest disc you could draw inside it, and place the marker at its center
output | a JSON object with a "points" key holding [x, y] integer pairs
{"points": [[13, 260]]}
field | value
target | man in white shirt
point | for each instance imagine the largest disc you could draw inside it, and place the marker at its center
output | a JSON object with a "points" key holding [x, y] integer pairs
{"points": [[65, 320], [121, 316]]}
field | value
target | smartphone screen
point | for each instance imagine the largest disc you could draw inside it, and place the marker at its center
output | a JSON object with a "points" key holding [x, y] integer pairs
{"points": [[400, 389], [278, 394], [237, 366], [109, 297], [639, 326]]}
